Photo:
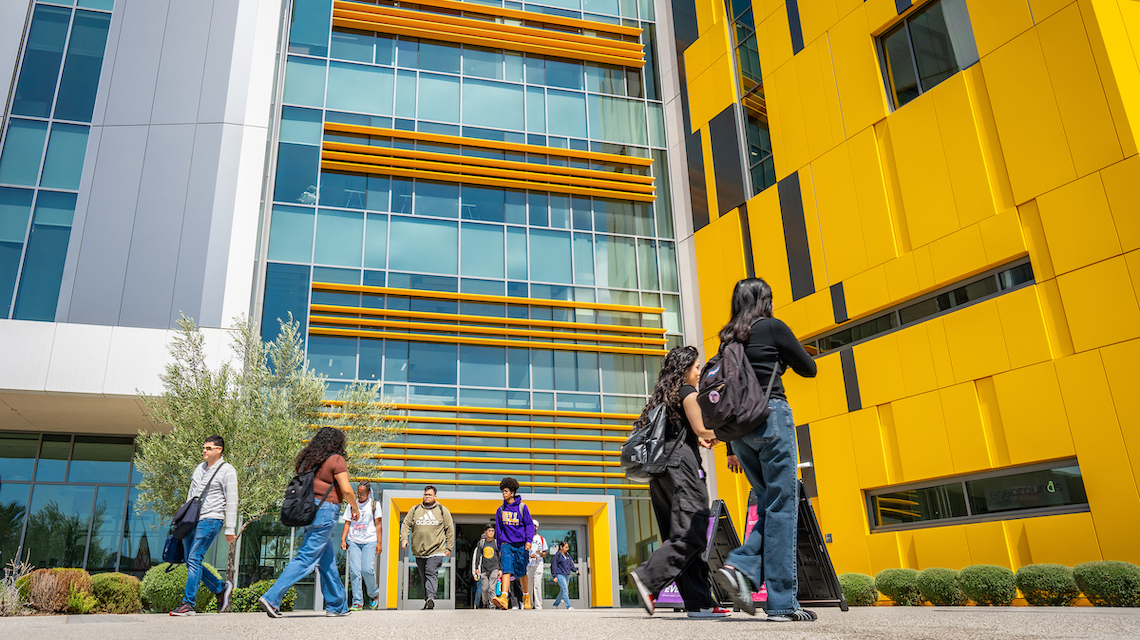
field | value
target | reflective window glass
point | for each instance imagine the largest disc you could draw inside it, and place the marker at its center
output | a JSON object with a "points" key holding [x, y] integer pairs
{"points": [[615, 256], [492, 104], [107, 529], [348, 190], [535, 110], [371, 360], [409, 236], [622, 373], [656, 125], [516, 253], [943, 41], [291, 234], [647, 264], [395, 361], [105, 5], [340, 238], [481, 251], [64, 163], [286, 292], [101, 459], [542, 372], [617, 120], [333, 357], [518, 368], [583, 259], [142, 539], [301, 126], [439, 97], [550, 256], [431, 363], [13, 508], [305, 82], [38, 293], [439, 56], [23, 148], [405, 94], [82, 66], [668, 261], [297, 173], [58, 521], [18, 456], [483, 62], [1034, 490], [605, 78], [483, 366], [900, 67], [564, 74], [376, 242], [483, 204], [358, 46], [309, 27], [15, 214], [43, 53], [566, 113], [360, 88], [439, 199], [602, 6]]}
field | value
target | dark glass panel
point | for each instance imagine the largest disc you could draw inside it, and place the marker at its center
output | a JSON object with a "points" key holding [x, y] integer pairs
{"points": [[82, 67], [142, 540], [60, 517], [900, 68], [54, 452], [1033, 490], [18, 456], [42, 55], [919, 505], [103, 552], [309, 29], [101, 459], [13, 508]]}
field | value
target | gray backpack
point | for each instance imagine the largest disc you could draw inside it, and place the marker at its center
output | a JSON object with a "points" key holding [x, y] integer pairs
{"points": [[732, 403]]}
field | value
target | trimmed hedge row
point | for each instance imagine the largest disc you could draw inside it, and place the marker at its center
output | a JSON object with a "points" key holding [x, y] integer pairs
{"points": [[1105, 584]]}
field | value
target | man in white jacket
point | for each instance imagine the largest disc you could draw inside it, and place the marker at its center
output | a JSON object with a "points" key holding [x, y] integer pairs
{"points": [[535, 567], [215, 480]]}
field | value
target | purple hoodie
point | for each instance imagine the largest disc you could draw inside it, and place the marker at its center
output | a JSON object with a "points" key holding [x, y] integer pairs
{"points": [[513, 523]]}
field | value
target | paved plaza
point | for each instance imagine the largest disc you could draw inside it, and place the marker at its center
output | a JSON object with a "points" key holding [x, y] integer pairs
{"points": [[934, 623]]}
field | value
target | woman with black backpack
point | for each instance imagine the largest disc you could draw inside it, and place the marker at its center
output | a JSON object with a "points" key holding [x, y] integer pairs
{"points": [[680, 500], [768, 458], [325, 453]]}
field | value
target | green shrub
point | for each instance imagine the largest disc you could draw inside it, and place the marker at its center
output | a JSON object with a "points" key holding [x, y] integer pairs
{"points": [[1109, 583], [117, 592], [24, 585], [245, 599], [988, 584], [858, 589], [162, 591], [1047, 585], [900, 585], [940, 587], [80, 602]]}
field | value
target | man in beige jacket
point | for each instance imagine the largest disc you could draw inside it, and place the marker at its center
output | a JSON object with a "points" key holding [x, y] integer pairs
{"points": [[429, 529]]}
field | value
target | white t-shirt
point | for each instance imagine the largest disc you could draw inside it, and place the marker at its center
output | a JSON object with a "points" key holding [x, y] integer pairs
{"points": [[536, 546], [362, 530]]}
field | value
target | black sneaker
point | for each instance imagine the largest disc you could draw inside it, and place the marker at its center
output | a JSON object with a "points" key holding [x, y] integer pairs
{"points": [[429, 604], [225, 596], [643, 593], [269, 609], [738, 588], [183, 609], [799, 615]]}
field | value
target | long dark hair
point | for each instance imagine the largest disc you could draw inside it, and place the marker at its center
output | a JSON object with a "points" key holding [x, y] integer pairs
{"points": [[667, 391], [326, 442], [751, 300]]}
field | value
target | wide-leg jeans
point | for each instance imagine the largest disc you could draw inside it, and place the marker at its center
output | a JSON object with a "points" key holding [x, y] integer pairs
{"points": [[316, 552]]}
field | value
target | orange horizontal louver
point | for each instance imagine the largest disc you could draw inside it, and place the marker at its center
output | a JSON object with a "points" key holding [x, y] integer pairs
{"points": [[494, 34]]}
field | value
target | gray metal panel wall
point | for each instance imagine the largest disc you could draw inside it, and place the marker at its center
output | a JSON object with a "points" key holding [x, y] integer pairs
{"points": [[181, 97]]}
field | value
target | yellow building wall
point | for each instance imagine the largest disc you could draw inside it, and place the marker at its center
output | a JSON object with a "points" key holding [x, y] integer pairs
{"points": [[1032, 152]]}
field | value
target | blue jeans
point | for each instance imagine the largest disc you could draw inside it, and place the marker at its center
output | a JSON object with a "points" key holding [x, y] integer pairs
{"points": [[316, 552], [563, 590], [768, 457], [194, 546], [362, 569]]}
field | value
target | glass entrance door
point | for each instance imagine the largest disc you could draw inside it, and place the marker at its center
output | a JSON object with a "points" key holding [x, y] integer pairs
{"points": [[412, 583], [555, 531]]}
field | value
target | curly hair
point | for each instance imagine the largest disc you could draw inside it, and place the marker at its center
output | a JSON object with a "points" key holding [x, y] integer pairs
{"points": [[667, 391], [326, 442]]}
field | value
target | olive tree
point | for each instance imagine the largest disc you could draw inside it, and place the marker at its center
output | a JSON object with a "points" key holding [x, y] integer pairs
{"points": [[264, 401]]}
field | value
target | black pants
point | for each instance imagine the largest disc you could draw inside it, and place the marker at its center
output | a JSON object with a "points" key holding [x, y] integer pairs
{"points": [[680, 502]]}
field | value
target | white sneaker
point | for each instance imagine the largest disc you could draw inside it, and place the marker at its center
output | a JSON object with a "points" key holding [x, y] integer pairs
{"points": [[569, 608]]}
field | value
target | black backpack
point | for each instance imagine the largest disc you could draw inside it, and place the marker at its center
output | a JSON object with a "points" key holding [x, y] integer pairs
{"points": [[731, 400], [298, 509], [645, 453]]}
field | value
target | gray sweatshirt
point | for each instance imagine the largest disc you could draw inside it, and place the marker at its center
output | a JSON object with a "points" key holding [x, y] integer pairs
{"points": [[221, 499]]}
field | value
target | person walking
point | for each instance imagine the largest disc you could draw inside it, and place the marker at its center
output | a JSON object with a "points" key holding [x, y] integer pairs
{"points": [[562, 567], [514, 530], [485, 567], [536, 567], [431, 532], [680, 499], [325, 453], [216, 481], [768, 458], [359, 538]]}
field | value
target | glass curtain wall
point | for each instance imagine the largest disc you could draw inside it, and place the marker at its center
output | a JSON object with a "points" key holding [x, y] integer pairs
{"points": [[41, 157], [761, 167]]}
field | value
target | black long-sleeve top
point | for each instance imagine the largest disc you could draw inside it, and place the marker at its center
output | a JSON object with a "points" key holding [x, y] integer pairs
{"points": [[770, 341]]}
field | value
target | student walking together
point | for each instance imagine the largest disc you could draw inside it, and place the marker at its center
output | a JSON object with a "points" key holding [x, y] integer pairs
{"points": [[536, 568], [485, 566], [216, 481], [431, 532], [514, 529], [768, 458], [325, 453], [359, 538], [680, 499], [562, 567]]}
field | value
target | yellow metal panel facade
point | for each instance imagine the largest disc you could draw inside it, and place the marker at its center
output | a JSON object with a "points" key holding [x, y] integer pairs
{"points": [[1028, 160]]}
